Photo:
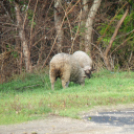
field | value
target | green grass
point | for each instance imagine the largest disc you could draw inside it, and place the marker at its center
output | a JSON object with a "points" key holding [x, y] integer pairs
{"points": [[29, 97]]}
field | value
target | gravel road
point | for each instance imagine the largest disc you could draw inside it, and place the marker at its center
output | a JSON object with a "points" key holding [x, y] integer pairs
{"points": [[119, 120]]}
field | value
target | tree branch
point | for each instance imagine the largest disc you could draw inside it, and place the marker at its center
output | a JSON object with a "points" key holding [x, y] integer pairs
{"points": [[32, 23], [111, 23], [116, 31], [57, 35], [3, 23], [122, 44], [6, 11]]}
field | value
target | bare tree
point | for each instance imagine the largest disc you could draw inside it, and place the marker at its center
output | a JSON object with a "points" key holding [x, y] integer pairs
{"points": [[89, 23], [23, 39]]}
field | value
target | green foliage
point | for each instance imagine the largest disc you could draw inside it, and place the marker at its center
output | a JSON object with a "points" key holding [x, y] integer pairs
{"points": [[106, 41], [30, 17], [103, 28], [126, 27], [30, 14], [82, 29], [14, 54], [107, 29], [117, 67], [10, 0], [75, 28], [30, 97], [7, 46], [21, 2], [34, 23]]}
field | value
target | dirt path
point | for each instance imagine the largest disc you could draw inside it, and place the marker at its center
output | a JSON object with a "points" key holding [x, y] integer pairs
{"points": [[102, 121]]}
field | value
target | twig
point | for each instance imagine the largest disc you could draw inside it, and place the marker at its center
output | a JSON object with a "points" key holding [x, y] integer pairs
{"points": [[101, 53], [10, 38], [116, 31], [122, 44], [111, 23], [6, 11], [68, 23], [72, 38], [3, 23], [52, 45], [124, 35], [57, 35]]}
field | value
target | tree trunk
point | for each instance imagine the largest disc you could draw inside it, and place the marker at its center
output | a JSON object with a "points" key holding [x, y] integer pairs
{"points": [[32, 25], [113, 37], [85, 7], [82, 17], [58, 22], [89, 23], [24, 44]]}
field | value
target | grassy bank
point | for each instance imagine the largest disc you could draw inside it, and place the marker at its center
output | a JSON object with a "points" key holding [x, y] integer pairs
{"points": [[30, 97]]}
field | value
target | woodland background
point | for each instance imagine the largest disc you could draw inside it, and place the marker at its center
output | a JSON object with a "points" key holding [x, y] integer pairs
{"points": [[32, 31]]}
